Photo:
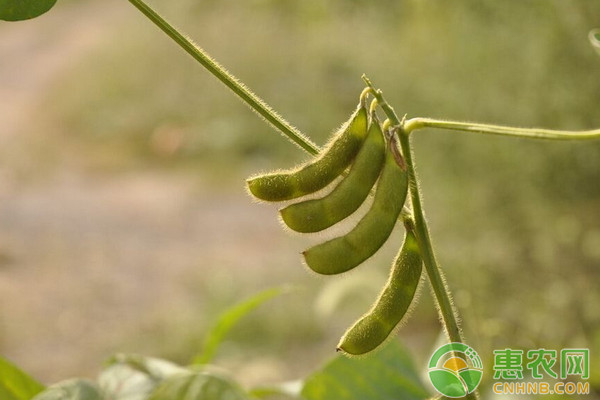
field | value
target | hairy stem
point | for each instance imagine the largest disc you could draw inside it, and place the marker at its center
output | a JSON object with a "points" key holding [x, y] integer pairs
{"points": [[448, 314], [245, 94], [414, 124], [440, 289], [442, 294]]}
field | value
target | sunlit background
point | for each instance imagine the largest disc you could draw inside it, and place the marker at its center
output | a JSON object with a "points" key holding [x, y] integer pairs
{"points": [[124, 221]]}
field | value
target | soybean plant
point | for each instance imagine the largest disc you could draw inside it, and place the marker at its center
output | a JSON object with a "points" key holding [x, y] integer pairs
{"points": [[368, 154], [396, 179], [344, 253]]}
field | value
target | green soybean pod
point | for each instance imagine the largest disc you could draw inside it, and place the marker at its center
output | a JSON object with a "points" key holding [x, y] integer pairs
{"points": [[346, 252], [318, 214], [392, 305], [318, 173]]}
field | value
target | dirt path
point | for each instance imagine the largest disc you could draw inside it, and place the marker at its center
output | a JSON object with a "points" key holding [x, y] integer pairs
{"points": [[90, 266]]}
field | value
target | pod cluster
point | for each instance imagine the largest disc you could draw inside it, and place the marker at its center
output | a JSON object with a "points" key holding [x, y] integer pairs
{"points": [[367, 158]]}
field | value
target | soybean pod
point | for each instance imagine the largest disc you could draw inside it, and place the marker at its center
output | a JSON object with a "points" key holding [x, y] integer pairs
{"points": [[346, 252], [318, 214], [318, 173], [390, 308]]}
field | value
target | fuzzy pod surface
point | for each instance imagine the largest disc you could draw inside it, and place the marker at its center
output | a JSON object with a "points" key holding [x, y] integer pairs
{"points": [[318, 214], [371, 330], [319, 172], [343, 253]]}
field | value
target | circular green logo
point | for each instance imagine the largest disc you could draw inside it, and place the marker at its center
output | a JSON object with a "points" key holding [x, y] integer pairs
{"points": [[455, 370]]}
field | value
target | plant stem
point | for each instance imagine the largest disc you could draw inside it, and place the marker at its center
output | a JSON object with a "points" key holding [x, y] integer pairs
{"points": [[414, 124], [442, 294], [448, 314], [245, 94], [440, 289]]}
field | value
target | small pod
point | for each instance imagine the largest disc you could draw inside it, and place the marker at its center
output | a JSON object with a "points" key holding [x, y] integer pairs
{"points": [[318, 173], [346, 252], [318, 214], [374, 327]]}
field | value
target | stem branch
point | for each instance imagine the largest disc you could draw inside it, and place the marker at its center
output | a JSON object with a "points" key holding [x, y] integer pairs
{"points": [[534, 133], [245, 94]]}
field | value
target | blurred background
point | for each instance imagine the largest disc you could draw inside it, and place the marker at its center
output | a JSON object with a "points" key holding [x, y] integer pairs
{"points": [[124, 221]]}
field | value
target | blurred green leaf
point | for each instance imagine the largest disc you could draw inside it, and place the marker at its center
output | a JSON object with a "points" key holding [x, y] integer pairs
{"points": [[595, 39], [203, 385], [16, 384], [386, 375], [229, 318], [72, 389], [287, 390], [133, 377], [18, 10]]}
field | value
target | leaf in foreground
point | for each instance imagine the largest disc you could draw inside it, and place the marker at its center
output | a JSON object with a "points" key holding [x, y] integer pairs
{"points": [[388, 374], [72, 389], [134, 377], [203, 385], [229, 318], [16, 384], [18, 10]]}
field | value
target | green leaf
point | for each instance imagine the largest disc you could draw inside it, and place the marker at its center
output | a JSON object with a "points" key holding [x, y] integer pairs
{"points": [[16, 384], [229, 318], [18, 10], [386, 375], [286, 390], [202, 385], [133, 377], [72, 389]]}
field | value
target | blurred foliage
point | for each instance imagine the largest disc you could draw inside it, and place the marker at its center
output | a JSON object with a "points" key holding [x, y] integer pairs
{"points": [[16, 384], [389, 372], [516, 223]]}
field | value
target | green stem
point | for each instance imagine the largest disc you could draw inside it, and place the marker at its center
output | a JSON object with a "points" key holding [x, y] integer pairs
{"points": [[252, 100], [414, 124], [441, 291], [442, 294]]}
